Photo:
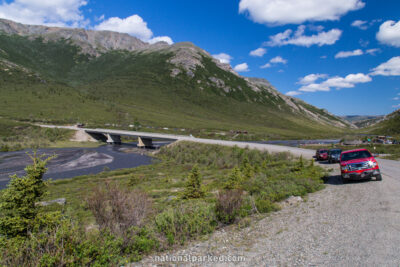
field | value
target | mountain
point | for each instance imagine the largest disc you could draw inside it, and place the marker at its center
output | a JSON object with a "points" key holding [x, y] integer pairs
{"points": [[65, 75], [362, 121], [390, 125]]}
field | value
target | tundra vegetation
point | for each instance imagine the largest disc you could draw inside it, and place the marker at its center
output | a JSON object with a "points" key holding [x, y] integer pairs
{"points": [[117, 217], [16, 135]]}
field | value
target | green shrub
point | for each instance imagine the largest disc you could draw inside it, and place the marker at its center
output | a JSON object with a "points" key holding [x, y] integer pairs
{"points": [[184, 222], [64, 245], [142, 241], [264, 205]]}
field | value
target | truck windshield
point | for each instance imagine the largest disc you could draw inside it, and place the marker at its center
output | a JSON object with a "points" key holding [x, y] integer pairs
{"points": [[356, 155]]}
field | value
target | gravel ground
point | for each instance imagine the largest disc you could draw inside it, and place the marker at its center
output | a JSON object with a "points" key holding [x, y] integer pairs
{"points": [[354, 224]]}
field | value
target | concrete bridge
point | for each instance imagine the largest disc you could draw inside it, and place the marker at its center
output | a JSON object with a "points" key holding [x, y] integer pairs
{"points": [[145, 140]]}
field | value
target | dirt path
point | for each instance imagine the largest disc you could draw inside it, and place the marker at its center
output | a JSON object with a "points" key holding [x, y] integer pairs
{"points": [[355, 224]]}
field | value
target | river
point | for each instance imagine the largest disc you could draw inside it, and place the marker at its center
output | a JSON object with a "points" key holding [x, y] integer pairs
{"points": [[72, 162]]}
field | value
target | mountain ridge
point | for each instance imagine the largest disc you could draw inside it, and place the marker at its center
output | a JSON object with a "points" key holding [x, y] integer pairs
{"points": [[82, 58]]}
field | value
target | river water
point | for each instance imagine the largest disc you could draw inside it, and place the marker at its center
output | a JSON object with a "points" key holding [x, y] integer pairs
{"points": [[72, 162]]}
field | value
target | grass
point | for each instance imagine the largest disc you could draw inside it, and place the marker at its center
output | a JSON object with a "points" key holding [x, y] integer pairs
{"points": [[271, 178], [389, 126]]}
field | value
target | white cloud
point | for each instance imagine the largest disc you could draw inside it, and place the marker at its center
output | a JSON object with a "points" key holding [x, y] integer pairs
{"points": [[278, 59], [298, 38], [389, 33], [279, 12], [45, 12], [344, 54], [373, 51], [396, 106], [361, 24], [266, 66], [275, 60], [389, 68], [223, 58], [311, 78], [133, 25], [259, 52], [314, 87], [337, 82], [241, 67], [293, 93], [396, 98], [157, 39]]}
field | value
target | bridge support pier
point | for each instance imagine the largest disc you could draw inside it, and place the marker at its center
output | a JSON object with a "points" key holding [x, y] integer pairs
{"points": [[144, 142], [113, 139]]}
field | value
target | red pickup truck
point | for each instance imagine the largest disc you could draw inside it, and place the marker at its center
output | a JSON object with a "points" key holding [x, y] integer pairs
{"points": [[359, 164]]}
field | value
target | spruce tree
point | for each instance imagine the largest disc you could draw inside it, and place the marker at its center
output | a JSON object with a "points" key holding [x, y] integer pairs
{"points": [[234, 179], [17, 203], [193, 185]]}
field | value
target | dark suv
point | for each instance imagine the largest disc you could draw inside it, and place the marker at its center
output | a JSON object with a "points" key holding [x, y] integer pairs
{"points": [[334, 155], [359, 164]]}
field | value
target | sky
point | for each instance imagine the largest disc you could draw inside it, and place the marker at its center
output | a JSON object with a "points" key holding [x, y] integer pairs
{"points": [[340, 55]]}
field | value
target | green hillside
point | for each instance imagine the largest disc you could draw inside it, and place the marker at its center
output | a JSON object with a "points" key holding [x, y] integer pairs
{"points": [[54, 81], [389, 126]]}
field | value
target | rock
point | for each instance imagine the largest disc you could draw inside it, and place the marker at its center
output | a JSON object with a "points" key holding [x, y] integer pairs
{"points": [[292, 200], [170, 198], [59, 201]]}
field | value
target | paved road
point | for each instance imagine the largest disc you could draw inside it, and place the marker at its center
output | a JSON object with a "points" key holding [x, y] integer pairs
{"points": [[355, 224], [271, 148]]}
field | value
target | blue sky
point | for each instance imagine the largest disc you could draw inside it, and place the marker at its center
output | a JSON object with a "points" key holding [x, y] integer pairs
{"points": [[347, 50]]}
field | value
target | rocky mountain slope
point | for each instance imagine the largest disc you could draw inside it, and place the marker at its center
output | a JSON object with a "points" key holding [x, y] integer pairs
{"points": [[103, 76]]}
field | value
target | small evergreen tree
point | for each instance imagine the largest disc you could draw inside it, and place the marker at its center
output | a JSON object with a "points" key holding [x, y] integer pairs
{"points": [[301, 162], [246, 168], [312, 163], [234, 179], [299, 165], [193, 185], [17, 203]]}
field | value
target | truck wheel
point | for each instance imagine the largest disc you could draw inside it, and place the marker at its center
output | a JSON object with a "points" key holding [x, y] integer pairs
{"points": [[379, 177]]}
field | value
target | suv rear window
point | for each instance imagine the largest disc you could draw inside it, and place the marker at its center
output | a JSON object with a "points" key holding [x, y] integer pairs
{"points": [[356, 155], [323, 151]]}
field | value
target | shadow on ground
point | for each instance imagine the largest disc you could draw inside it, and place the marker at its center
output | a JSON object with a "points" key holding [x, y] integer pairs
{"points": [[337, 180]]}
